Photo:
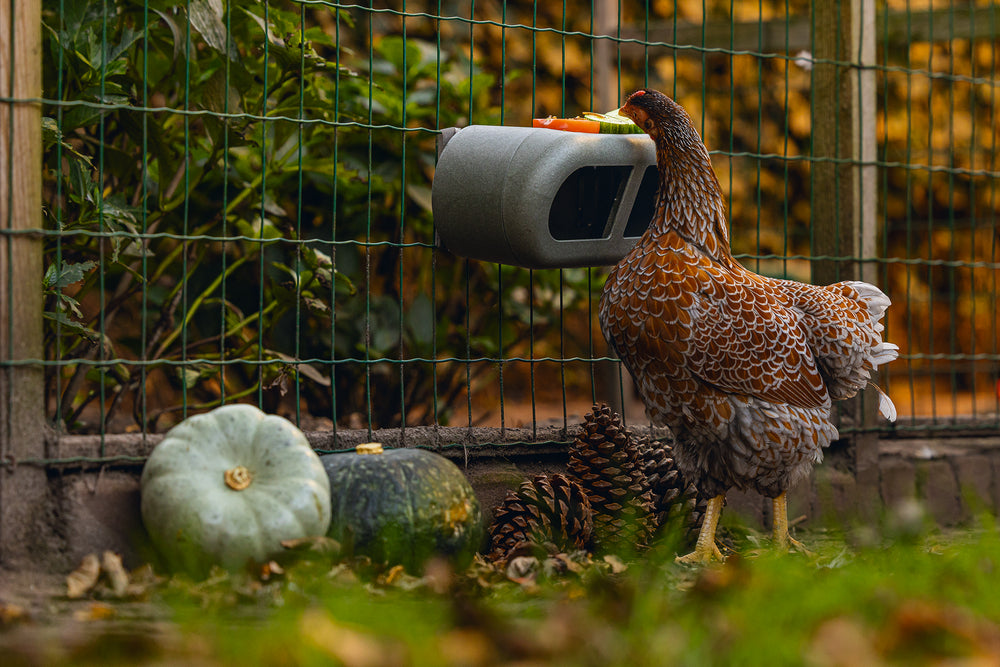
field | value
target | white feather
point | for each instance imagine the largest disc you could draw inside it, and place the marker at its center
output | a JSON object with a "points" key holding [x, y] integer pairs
{"points": [[883, 353], [871, 295], [885, 405]]}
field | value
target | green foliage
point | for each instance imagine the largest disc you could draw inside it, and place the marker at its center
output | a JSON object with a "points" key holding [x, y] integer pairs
{"points": [[240, 187], [242, 194]]}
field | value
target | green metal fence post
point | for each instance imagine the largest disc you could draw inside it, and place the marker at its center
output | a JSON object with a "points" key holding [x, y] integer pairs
{"points": [[844, 185], [22, 418]]}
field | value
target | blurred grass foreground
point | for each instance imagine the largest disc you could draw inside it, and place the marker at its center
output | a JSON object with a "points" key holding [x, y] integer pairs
{"points": [[891, 596]]}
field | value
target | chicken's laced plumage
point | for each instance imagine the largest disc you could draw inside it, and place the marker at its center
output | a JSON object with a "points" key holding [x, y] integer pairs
{"points": [[741, 367]]}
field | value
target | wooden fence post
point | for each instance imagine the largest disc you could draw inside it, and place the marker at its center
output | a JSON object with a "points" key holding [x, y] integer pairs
{"points": [[844, 185], [23, 499]]}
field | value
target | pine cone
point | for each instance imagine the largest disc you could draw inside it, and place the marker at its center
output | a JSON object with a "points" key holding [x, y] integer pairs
{"points": [[548, 509], [666, 484], [676, 501], [605, 461]]}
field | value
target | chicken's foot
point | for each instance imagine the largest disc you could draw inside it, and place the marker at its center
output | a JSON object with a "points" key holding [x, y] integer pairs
{"points": [[706, 549], [782, 540]]}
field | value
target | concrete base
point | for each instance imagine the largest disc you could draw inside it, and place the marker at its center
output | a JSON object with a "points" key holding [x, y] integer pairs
{"points": [[93, 510]]}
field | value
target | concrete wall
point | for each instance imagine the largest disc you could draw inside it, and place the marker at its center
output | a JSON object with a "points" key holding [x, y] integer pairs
{"points": [[95, 509]]}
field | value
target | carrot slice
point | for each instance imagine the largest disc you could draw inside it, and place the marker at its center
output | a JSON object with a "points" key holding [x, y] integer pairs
{"points": [[568, 124], [591, 124]]}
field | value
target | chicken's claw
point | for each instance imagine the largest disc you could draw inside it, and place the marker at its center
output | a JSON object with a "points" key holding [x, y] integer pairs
{"points": [[702, 556], [783, 541], [706, 549]]}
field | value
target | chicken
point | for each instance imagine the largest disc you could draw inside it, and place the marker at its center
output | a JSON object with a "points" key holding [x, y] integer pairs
{"points": [[741, 367]]}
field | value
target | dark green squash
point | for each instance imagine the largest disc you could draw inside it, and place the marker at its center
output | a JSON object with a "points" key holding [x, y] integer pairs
{"points": [[402, 506]]}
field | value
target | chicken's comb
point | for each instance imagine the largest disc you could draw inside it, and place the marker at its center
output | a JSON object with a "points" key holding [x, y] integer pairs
{"points": [[635, 94]]}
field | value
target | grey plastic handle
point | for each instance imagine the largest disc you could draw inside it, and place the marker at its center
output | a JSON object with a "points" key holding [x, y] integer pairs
{"points": [[542, 198]]}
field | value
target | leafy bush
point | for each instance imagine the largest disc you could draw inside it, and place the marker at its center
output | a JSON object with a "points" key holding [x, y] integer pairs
{"points": [[227, 206], [238, 199]]}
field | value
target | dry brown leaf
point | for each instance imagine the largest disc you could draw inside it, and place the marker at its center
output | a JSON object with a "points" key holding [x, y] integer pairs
{"points": [[717, 579], [399, 578], [141, 581], [342, 573], [439, 575], [616, 563], [392, 575], [12, 613], [81, 580], [523, 570], [313, 547], [270, 569], [938, 628], [466, 647], [347, 645], [568, 564], [842, 642], [111, 564], [95, 611]]}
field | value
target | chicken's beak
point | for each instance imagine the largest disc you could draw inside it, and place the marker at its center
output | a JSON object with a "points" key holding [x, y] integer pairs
{"points": [[618, 112], [630, 116]]}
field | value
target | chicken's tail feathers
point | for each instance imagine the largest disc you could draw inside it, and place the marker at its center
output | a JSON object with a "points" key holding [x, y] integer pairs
{"points": [[883, 353], [885, 405], [875, 299]]}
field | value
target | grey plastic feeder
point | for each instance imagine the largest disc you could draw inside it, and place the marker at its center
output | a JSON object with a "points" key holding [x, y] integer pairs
{"points": [[541, 198]]}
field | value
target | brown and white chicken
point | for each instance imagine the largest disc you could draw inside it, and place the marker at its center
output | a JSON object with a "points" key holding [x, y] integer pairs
{"points": [[741, 367]]}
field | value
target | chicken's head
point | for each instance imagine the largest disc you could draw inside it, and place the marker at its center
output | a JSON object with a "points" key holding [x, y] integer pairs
{"points": [[660, 117]]}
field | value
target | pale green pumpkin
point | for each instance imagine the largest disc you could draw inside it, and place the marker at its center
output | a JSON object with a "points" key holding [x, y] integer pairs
{"points": [[226, 487]]}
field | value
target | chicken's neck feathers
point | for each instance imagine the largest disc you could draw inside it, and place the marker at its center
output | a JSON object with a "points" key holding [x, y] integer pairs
{"points": [[689, 200]]}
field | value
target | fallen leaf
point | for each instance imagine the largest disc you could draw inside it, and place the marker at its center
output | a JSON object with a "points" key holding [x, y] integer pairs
{"points": [[569, 564], [394, 574], [270, 569], [141, 581], [111, 563], [404, 581], [617, 566], [95, 611], [346, 645], [313, 548], [841, 642], [523, 570], [12, 613], [466, 646], [717, 579], [439, 575], [342, 573], [940, 630], [82, 579]]}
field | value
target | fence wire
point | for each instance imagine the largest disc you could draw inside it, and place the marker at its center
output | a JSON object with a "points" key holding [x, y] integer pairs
{"points": [[237, 201]]}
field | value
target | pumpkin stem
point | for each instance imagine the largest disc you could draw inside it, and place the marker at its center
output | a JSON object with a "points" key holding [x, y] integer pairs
{"points": [[369, 448], [238, 478]]}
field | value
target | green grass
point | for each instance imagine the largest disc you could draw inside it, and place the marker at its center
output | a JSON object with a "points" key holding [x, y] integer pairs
{"points": [[917, 599]]}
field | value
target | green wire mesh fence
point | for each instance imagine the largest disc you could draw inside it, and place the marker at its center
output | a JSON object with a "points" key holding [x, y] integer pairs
{"points": [[237, 199]]}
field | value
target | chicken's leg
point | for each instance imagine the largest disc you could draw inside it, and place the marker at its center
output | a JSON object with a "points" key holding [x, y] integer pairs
{"points": [[706, 549], [782, 539]]}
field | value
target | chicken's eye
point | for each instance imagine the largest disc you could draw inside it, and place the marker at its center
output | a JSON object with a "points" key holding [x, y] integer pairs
{"points": [[648, 125]]}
